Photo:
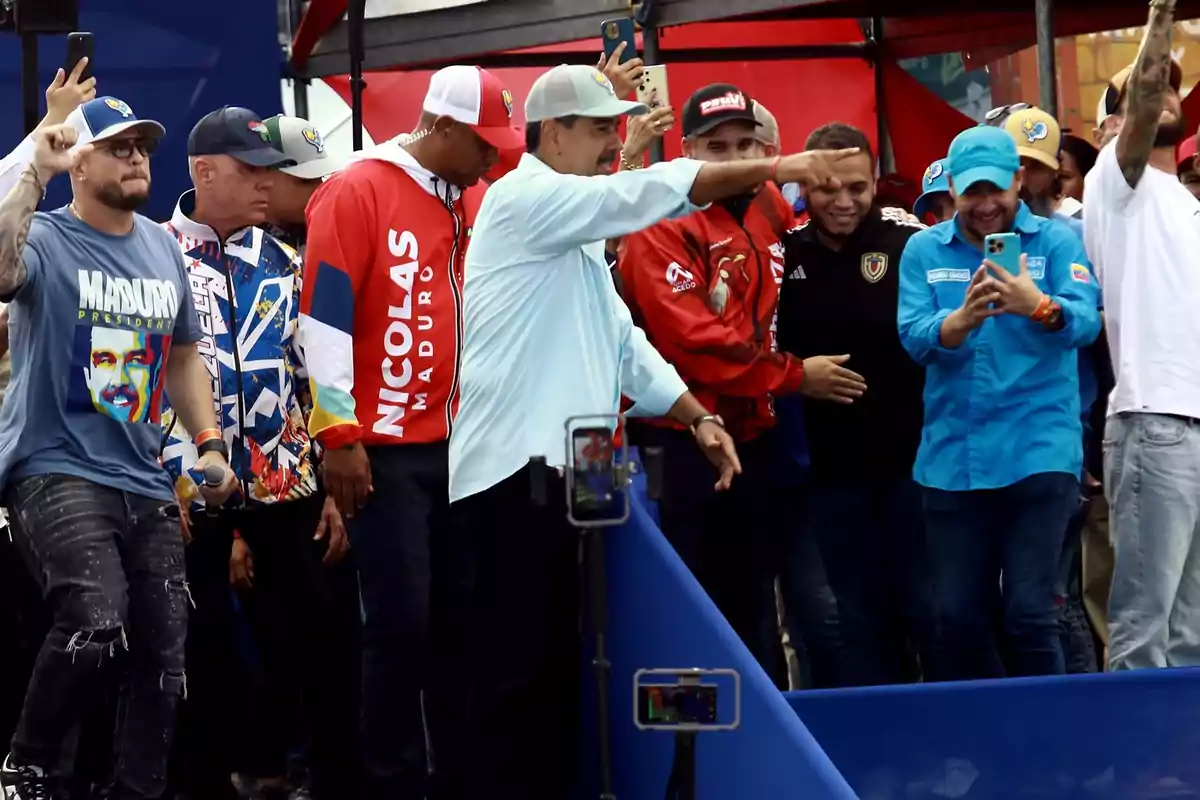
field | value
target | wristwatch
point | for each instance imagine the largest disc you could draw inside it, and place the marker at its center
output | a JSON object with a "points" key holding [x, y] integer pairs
{"points": [[703, 418], [218, 445]]}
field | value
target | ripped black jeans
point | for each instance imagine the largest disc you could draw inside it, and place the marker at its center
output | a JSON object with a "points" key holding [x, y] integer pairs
{"points": [[110, 564]]}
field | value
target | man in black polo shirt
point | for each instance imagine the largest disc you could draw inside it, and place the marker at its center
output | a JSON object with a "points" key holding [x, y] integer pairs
{"points": [[839, 295]]}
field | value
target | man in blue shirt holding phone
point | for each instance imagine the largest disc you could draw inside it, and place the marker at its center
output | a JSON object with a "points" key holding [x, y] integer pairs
{"points": [[1000, 451]]}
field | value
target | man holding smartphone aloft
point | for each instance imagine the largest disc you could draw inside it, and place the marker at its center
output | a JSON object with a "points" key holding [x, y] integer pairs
{"points": [[1001, 449], [546, 338]]}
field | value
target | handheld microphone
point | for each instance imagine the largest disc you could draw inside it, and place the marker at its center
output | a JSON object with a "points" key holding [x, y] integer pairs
{"points": [[214, 476]]}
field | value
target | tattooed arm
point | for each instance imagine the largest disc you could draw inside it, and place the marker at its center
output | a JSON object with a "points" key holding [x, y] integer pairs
{"points": [[1148, 84], [16, 213]]}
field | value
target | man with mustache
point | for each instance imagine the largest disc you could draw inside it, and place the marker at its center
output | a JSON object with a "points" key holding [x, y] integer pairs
{"points": [[1142, 228], [96, 288], [546, 338], [1001, 449]]}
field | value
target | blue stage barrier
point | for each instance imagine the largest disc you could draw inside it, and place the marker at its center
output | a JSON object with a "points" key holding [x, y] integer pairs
{"points": [[660, 617], [1123, 735]]}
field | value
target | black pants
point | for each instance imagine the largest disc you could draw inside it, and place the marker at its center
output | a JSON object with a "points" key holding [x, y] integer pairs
{"points": [[414, 581], [525, 614], [296, 628], [727, 539], [111, 565]]}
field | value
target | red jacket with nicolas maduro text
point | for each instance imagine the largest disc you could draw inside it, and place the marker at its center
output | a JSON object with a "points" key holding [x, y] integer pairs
{"points": [[381, 311]]}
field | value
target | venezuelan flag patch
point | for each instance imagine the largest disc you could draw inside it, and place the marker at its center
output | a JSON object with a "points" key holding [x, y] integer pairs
{"points": [[1080, 273]]}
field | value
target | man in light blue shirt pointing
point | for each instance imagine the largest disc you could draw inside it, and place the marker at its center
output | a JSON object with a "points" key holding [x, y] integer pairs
{"points": [[547, 338]]}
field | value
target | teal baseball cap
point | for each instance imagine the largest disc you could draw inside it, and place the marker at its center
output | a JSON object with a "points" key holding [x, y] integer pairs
{"points": [[576, 90], [983, 154], [935, 181]]}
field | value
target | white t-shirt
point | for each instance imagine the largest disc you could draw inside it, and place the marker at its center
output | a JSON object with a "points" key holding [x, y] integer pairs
{"points": [[1145, 246]]}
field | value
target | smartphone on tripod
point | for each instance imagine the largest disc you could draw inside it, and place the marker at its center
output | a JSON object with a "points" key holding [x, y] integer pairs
{"points": [[594, 491]]}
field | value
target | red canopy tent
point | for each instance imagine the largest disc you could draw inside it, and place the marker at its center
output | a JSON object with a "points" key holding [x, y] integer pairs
{"points": [[809, 61]]}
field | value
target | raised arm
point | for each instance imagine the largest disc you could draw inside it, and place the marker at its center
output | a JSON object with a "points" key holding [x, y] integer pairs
{"points": [[1146, 89], [51, 155]]}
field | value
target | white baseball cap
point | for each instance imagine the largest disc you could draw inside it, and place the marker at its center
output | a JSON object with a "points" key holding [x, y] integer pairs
{"points": [[576, 90], [477, 98], [301, 142]]}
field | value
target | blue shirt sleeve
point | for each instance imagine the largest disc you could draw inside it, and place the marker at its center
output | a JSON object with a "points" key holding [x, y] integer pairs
{"points": [[559, 212], [919, 318], [187, 321], [1074, 287]]}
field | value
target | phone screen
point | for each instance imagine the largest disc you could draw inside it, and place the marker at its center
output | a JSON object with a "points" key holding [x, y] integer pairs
{"points": [[677, 704], [593, 489]]}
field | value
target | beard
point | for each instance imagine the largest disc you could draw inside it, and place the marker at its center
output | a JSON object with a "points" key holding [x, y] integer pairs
{"points": [[114, 198], [1170, 134]]}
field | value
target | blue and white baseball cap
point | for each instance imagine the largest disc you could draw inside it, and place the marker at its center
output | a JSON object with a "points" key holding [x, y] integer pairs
{"points": [[935, 181], [106, 117]]}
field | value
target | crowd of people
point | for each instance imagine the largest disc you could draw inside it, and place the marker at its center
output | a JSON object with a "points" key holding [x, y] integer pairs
{"points": [[266, 466]]}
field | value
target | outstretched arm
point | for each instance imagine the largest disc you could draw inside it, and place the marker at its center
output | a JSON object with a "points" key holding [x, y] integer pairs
{"points": [[1147, 87]]}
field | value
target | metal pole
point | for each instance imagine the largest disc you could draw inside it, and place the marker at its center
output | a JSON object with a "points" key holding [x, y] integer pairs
{"points": [[881, 131], [1047, 69], [30, 91], [355, 21], [299, 84]]}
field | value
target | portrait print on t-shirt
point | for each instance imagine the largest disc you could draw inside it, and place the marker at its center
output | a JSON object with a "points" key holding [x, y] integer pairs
{"points": [[122, 339]]}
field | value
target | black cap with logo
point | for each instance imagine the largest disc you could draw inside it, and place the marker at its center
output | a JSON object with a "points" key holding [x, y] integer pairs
{"points": [[715, 105], [236, 132]]}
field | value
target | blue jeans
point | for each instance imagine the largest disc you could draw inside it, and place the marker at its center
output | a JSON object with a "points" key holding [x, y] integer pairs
{"points": [[995, 554], [111, 566], [872, 543], [1152, 480]]}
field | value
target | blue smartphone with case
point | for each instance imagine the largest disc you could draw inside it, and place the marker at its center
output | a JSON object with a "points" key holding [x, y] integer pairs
{"points": [[1004, 249], [615, 31]]}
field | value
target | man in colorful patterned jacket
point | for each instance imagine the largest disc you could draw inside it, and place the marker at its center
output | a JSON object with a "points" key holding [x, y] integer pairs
{"points": [[246, 288]]}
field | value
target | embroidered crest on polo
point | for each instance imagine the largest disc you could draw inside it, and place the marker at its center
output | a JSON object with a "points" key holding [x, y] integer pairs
{"points": [[874, 266], [119, 106]]}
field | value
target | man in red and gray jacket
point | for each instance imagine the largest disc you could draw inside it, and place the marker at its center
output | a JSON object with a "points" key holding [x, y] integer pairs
{"points": [[381, 330], [704, 289]]}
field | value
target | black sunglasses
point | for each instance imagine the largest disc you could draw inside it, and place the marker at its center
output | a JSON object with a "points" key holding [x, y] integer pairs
{"points": [[124, 149], [1001, 113]]}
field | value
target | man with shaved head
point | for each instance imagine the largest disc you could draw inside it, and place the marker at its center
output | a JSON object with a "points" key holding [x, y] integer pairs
{"points": [[246, 285]]}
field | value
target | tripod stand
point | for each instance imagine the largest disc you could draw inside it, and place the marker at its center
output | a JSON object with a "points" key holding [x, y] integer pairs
{"points": [[593, 583], [682, 783]]}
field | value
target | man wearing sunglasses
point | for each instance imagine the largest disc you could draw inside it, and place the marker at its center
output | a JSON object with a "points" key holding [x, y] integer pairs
{"points": [[246, 286], [102, 328]]}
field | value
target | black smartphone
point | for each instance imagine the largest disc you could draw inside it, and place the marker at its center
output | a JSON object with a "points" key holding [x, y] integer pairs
{"points": [[79, 46], [594, 493], [615, 31], [677, 704]]}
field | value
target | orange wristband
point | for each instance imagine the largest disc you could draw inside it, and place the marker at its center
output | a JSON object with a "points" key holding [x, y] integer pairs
{"points": [[1043, 309], [208, 434]]}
